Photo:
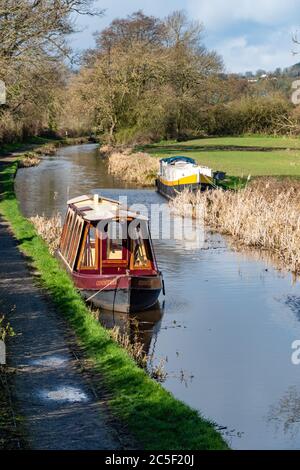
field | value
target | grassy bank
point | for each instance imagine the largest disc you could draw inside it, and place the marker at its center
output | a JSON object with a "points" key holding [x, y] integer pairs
{"points": [[239, 156], [41, 144], [264, 215], [152, 414]]}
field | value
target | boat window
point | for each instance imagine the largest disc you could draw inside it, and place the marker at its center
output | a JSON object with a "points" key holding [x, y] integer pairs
{"points": [[77, 231], [68, 238], [89, 254], [114, 250], [70, 241], [65, 231], [141, 255]]}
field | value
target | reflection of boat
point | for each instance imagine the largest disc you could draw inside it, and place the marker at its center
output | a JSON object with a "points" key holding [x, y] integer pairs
{"points": [[178, 173], [109, 253], [140, 327]]}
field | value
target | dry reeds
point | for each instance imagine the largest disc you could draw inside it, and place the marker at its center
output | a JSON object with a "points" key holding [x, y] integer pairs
{"points": [[30, 159], [135, 349], [138, 167], [265, 215], [47, 149], [49, 230], [106, 150]]}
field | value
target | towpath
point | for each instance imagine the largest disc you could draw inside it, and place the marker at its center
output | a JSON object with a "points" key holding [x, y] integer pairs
{"points": [[60, 406]]}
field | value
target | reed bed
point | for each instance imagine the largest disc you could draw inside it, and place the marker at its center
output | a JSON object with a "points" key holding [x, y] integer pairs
{"points": [[137, 167], [106, 150], [49, 229], [135, 349], [30, 159], [48, 149], [264, 215]]}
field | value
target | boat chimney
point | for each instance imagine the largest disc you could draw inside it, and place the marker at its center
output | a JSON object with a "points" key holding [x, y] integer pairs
{"points": [[96, 200]]}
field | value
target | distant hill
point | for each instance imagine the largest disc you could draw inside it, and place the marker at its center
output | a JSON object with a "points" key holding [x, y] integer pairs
{"points": [[290, 72], [293, 71]]}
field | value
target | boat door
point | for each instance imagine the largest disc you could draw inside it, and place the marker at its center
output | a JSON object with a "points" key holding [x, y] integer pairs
{"points": [[114, 248]]}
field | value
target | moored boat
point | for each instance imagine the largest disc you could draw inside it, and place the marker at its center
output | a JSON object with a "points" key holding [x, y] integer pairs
{"points": [[179, 172], [107, 249]]}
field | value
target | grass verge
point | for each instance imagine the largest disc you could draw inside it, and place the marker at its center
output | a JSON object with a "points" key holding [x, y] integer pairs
{"points": [[152, 414], [10, 424], [40, 142], [254, 141]]}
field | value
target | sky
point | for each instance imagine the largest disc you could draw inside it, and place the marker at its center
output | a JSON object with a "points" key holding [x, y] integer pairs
{"points": [[248, 34]]}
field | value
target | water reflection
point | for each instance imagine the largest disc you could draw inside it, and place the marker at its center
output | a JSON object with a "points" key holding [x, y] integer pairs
{"points": [[294, 303], [285, 415], [140, 327], [62, 176]]}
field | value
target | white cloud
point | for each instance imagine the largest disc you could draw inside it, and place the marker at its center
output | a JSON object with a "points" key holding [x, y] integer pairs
{"points": [[240, 55], [249, 34], [218, 13]]}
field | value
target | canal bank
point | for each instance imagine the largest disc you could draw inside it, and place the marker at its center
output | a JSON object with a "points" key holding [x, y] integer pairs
{"points": [[227, 318], [155, 418]]}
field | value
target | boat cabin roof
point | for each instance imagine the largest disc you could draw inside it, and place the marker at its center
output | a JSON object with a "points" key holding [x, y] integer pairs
{"points": [[178, 158], [94, 208]]}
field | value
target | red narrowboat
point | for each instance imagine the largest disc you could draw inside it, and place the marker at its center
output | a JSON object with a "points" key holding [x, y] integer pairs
{"points": [[107, 249]]}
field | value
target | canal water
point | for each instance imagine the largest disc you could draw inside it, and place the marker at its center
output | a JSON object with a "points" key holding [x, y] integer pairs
{"points": [[226, 326]]}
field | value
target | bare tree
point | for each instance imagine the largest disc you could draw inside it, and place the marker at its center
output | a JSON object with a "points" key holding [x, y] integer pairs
{"points": [[33, 45], [148, 75]]}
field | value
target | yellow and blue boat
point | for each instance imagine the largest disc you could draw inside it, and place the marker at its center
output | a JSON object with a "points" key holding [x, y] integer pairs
{"points": [[179, 172]]}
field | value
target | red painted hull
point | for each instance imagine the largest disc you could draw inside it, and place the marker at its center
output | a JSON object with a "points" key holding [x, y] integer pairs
{"points": [[123, 293]]}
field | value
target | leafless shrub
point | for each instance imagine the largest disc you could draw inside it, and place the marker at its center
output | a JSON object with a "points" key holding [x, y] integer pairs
{"points": [[138, 167], [49, 230], [264, 215]]}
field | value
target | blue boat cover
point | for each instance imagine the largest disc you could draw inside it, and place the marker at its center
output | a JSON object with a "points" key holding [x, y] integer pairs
{"points": [[178, 158]]}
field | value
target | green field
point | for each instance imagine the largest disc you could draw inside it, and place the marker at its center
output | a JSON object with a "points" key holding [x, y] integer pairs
{"points": [[268, 141], [223, 153]]}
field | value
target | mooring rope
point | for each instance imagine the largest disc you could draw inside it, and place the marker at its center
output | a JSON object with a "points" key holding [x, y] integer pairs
{"points": [[103, 288]]}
